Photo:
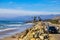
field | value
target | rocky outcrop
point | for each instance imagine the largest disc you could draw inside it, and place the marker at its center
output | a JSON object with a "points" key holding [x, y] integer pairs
{"points": [[36, 33]]}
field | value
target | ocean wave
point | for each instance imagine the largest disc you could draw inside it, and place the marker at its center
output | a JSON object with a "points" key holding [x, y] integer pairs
{"points": [[10, 30], [28, 24], [7, 29], [14, 25]]}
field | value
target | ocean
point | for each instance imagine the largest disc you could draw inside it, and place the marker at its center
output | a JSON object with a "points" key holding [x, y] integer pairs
{"points": [[8, 29]]}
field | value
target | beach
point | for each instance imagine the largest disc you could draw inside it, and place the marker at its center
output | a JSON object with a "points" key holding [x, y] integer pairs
{"points": [[14, 30], [29, 33]]}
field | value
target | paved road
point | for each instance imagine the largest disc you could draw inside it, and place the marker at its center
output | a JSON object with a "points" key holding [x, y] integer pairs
{"points": [[53, 36], [56, 36]]}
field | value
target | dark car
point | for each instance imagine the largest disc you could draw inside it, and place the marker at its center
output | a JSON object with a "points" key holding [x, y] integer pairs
{"points": [[52, 29]]}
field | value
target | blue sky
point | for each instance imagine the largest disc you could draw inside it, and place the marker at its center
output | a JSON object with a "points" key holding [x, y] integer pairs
{"points": [[16, 7]]}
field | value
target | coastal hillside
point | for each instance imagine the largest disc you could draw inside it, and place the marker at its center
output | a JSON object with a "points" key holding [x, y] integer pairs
{"points": [[35, 33], [56, 18]]}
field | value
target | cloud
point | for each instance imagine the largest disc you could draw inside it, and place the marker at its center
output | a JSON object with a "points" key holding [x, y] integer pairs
{"points": [[16, 12]]}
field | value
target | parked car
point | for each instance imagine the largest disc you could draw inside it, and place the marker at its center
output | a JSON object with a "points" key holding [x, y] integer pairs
{"points": [[51, 29]]}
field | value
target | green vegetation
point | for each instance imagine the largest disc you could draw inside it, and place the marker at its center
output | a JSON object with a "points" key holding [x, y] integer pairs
{"points": [[39, 18], [35, 19], [53, 21]]}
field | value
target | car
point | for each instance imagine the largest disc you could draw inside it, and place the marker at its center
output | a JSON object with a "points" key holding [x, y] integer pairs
{"points": [[52, 29]]}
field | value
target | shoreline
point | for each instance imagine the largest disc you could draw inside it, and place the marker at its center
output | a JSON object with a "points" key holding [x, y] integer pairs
{"points": [[14, 36], [34, 33]]}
